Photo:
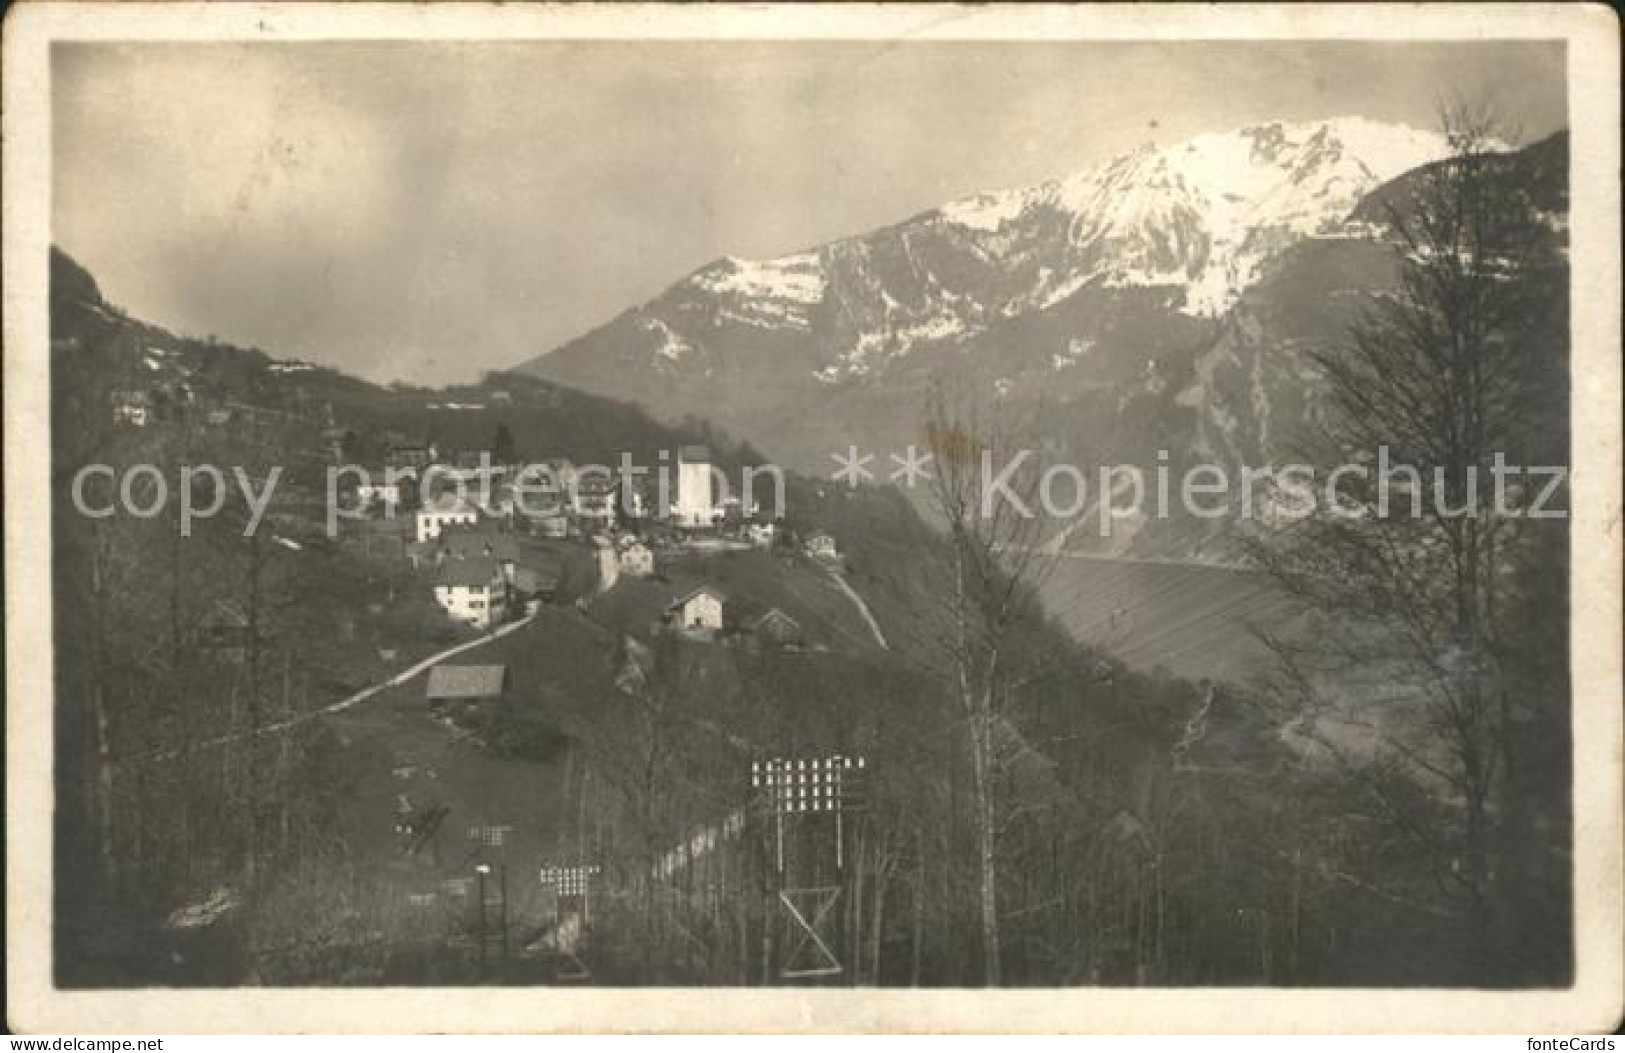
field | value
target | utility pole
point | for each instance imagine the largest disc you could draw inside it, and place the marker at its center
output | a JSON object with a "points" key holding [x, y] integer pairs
{"points": [[480, 870], [485, 839]]}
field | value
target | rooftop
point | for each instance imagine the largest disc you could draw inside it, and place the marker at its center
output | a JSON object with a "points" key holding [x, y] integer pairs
{"points": [[469, 540], [447, 503], [467, 681], [474, 570], [775, 616], [692, 593]]}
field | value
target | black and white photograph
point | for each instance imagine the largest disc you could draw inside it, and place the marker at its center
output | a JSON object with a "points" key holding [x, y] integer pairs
{"points": [[990, 499]]}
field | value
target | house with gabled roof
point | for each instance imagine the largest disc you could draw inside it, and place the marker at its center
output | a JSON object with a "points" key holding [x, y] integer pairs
{"points": [[472, 590], [755, 624], [131, 407], [637, 560], [698, 610], [776, 628]]}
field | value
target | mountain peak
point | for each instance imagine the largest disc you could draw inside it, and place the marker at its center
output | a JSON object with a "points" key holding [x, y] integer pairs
{"points": [[1200, 215], [1189, 225], [1090, 294], [1204, 213]]}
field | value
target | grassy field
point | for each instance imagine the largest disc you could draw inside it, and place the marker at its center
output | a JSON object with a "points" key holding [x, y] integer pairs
{"points": [[395, 751], [398, 757], [1194, 620], [756, 581]]}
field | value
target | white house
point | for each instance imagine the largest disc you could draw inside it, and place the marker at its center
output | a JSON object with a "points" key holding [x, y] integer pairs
{"points": [[609, 563], [131, 407], [637, 561], [563, 474], [701, 608], [822, 546], [472, 590], [593, 501], [445, 511], [385, 493], [696, 506], [760, 534]]}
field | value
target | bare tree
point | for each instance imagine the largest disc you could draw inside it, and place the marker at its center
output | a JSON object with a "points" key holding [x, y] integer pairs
{"points": [[983, 489], [1411, 583]]}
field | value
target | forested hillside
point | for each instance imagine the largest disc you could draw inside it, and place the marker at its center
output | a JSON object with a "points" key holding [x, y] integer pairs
{"points": [[1147, 829]]}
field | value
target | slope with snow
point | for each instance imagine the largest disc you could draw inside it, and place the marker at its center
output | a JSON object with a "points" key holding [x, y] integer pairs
{"points": [[771, 293], [1199, 218], [1203, 215], [1170, 298]]}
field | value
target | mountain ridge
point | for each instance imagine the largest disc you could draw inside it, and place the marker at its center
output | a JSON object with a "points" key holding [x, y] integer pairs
{"points": [[1134, 305], [1199, 215]]}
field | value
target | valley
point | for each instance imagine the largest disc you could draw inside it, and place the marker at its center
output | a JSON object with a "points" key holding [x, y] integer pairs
{"points": [[441, 739]]}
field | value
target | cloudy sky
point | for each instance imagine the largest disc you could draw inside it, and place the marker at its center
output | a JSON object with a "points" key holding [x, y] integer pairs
{"points": [[425, 211]]}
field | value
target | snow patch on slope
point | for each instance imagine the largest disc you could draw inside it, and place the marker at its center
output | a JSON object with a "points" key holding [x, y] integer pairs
{"points": [[765, 293], [672, 348], [1197, 221], [798, 278], [1205, 214], [985, 212]]}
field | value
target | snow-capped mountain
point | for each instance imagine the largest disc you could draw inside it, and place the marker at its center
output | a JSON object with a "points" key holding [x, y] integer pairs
{"points": [[1203, 215], [1163, 300], [1200, 217], [1197, 220]]}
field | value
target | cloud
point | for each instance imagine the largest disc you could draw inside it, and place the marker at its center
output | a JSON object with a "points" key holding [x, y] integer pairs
{"points": [[427, 210]]}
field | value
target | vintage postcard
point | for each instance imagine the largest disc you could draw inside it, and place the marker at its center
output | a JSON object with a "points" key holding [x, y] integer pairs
{"points": [[812, 518]]}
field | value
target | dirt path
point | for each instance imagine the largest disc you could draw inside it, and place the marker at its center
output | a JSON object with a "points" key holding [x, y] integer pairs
{"points": [[863, 608], [365, 693], [411, 671]]}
